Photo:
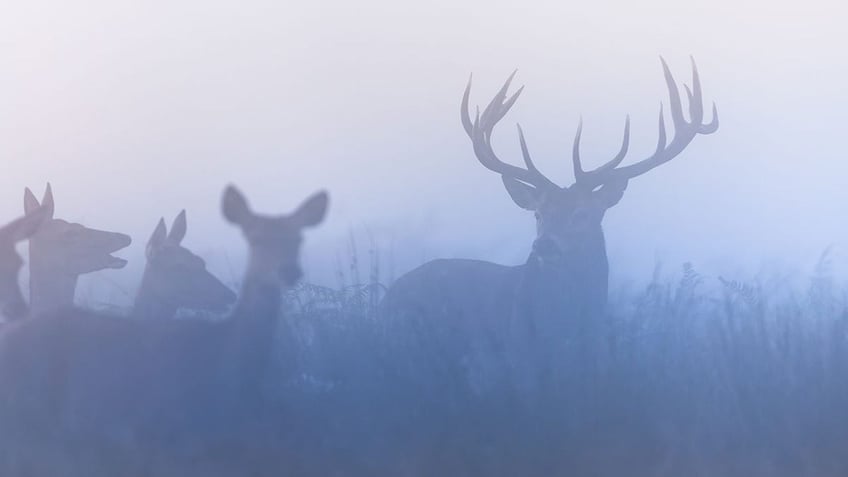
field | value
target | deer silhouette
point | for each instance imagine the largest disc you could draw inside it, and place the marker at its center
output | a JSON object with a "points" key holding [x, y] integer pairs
{"points": [[61, 251], [12, 301], [561, 290], [176, 278], [150, 390]]}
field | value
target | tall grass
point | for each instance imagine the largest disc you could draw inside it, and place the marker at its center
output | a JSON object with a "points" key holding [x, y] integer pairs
{"points": [[691, 376]]}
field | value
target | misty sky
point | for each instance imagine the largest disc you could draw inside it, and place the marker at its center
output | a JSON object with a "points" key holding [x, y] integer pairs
{"points": [[134, 110]]}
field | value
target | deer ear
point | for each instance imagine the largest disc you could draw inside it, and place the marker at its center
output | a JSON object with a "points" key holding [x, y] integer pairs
{"points": [[234, 206], [157, 240], [24, 227], [30, 202], [178, 228], [312, 211], [610, 193], [525, 196], [47, 201]]}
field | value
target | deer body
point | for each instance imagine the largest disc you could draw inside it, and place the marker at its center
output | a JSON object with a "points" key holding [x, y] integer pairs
{"points": [[561, 291], [484, 293], [505, 322], [142, 387]]}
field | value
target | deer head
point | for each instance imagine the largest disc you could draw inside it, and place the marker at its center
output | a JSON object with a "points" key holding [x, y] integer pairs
{"points": [[274, 241], [61, 251], [175, 278], [12, 301], [568, 219], [73, 248]]}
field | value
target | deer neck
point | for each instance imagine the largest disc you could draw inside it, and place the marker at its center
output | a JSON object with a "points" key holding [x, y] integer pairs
{"points": [[577, 284], [254, 325], [258, 305], [49, 288], [148, 304]]}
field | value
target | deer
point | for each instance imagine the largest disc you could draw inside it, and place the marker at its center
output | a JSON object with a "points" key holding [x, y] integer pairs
{"points": [[560, 292], [150, 392], [61, 251], [175, 278], [13, 306]]}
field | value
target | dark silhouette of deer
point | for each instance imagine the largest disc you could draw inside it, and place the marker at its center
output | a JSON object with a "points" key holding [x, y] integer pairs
{"points": [[61, 251], [12, 303], [175, 278], [152, 392], [562, 287]]}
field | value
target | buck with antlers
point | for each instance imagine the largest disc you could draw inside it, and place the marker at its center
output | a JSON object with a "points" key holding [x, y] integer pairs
{"points": [[137, 394], [61, 251], [175, 278], [563, 284]]}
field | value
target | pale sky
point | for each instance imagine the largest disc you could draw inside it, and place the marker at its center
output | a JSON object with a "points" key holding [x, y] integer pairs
{"points": [[134, 110]]}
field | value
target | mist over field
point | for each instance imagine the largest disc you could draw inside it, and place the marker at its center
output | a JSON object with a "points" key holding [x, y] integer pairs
{"points": [[135, 110], [717, 345]]}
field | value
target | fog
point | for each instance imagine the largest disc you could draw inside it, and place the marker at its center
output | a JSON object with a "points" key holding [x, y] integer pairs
{"points": [[135, 110]]}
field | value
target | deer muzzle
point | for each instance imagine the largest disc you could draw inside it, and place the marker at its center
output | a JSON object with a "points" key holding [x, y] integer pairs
{"points": [[546, 249]]}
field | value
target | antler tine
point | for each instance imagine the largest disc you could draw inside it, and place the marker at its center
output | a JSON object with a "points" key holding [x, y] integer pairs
{"points": [[684, 131], [575, 152], [497, 102], [674, 103], [467, 124], [713, 125], [662, 135], [480, 132], [595, 177], [696, 100], [528, 161], [696, 104]]}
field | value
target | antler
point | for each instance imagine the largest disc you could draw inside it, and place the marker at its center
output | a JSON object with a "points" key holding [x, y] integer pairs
{"points": [[684, 132], [480, 132]]}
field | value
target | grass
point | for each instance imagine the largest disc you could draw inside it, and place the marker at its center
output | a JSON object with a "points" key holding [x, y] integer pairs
{"points": [[695, 376], [690, 375]]}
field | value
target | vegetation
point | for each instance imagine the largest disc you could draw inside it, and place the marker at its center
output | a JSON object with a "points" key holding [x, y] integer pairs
{"points": [[697, 376]]}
